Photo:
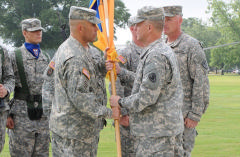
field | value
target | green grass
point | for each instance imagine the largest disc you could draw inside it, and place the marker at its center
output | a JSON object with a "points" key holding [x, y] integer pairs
{"points": [[219, 129]]}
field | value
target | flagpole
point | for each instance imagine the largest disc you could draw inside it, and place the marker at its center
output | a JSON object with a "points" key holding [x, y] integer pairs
{"points": [[112, 79]]}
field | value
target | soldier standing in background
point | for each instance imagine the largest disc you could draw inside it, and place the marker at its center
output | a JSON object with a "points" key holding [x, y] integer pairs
{"points": [[131, 53], [193, 68], [156, 99], [76, 109], [6, 87], [28, 128], [48, 88]]}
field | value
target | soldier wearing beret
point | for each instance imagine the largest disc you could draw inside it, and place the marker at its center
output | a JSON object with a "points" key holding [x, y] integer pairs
{"points": [[156, 99], [28, 128], [76, 109], [6, 87], [193, 71]]}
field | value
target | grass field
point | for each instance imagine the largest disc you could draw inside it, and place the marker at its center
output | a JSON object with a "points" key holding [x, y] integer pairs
{"points": [[219, 129]]}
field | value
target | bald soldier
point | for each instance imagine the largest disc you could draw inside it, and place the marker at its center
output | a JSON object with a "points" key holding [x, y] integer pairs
{"points": [[156, 99], [193, 71], [76, 109]]}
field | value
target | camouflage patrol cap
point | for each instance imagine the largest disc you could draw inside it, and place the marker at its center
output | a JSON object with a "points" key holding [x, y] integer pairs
{"points": [[32, 24], [81, 13], [149, 13], [174, 10], [131, 21]]}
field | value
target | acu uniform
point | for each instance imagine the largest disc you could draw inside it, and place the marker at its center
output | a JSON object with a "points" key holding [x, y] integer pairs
{"points": [[7, 80], [76, 110], [155, 103], [156, 99], [131, 53], [193, 68], [30, 135]]}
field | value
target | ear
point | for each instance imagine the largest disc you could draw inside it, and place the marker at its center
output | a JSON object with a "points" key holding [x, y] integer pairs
{"points": [[24, 33], [180, 20], [150, 27]]}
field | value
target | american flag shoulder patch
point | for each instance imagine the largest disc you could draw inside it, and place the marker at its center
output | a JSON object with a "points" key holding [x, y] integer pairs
{"points": [[86, 73]]}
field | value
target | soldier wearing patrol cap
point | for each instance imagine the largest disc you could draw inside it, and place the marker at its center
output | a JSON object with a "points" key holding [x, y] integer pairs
{"points": [[28, 128], [76, 109], [193, 71], [156, 99], [131, 54]]}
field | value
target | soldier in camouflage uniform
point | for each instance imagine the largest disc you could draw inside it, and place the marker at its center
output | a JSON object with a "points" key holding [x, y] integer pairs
{"points": [[77, 110], [193, 68], [48, 88], [156, 99], [28, 128], [6, 87], [131, 53]]}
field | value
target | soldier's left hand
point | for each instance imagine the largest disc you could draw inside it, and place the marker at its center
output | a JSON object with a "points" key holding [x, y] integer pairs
{"points": [[189, 123], [3, 91], [105, 52], [116, 113], [114, 101]]}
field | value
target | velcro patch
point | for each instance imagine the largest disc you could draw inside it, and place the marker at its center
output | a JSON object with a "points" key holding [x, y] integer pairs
{"points": [[52, 65], [152, 77], [86, 73], [122, 59], [205, 65]]}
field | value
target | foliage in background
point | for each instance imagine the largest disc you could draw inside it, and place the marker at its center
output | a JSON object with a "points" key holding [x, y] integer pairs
{"points": [[50, 12], [226, 18]]}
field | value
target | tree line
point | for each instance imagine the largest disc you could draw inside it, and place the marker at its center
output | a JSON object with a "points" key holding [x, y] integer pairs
{"points": [[223, 26]]}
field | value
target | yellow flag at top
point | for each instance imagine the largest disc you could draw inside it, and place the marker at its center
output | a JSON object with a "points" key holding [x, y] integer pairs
{"points": [[105, 34], [105, 11]]}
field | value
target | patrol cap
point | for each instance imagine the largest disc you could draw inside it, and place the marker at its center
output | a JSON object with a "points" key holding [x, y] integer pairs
{"points": [[32, 24], [81, 13], [149, 13], [171, 11], [131, 21]]}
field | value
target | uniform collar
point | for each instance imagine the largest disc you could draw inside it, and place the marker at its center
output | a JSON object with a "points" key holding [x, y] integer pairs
{"points": [[145, 50], [176, 42]]}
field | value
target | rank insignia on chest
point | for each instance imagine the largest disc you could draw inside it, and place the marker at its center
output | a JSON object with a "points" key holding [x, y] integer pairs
{"points": [[52, 65], [35, 52], [50, 71], [152, 77], [122, 59], [86, 73]]}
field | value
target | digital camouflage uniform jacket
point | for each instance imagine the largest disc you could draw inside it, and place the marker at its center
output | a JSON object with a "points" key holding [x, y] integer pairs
{"points": [[33, 69], [76, 109], [193, 68], [156, 100], [6, 75]]}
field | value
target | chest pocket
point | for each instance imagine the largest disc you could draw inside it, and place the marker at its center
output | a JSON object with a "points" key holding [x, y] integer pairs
{"points": [[83, 84]]}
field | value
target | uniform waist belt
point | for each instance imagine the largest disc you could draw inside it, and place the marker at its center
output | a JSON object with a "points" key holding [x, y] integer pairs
{"points": [[22, 96]]}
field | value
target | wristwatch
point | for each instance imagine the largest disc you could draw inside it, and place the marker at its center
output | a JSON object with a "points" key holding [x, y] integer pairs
{"points": [[120, 102]]}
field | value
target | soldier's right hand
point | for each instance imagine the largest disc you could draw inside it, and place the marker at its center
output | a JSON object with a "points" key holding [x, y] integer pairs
{"points": [[124, 120], [10, 123], [110, 64]]}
